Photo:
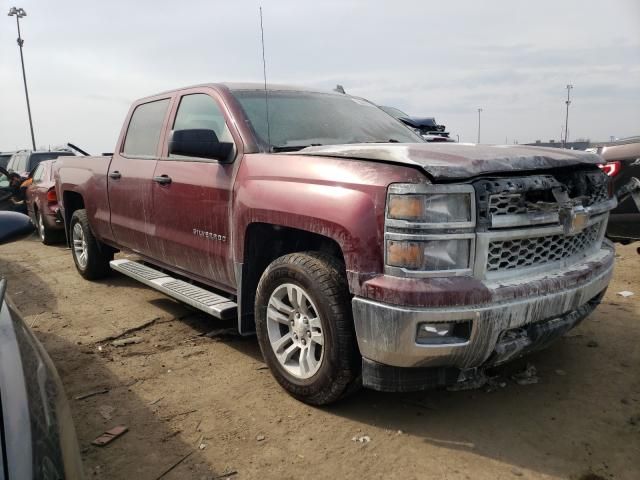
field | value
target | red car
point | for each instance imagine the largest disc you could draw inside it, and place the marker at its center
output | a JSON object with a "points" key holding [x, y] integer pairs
{"points": [[42, 204]]}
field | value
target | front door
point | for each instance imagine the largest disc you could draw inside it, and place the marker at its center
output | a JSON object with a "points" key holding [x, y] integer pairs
{"points": [[130, 178], [192, 207]]}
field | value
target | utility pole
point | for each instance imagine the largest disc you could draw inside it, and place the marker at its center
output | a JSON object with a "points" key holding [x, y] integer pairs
{"points": [[566, 121], [479, 112], [19, 13]]}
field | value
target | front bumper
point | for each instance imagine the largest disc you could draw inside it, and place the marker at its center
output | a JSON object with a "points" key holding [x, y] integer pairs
{"points": [[387, 333]]}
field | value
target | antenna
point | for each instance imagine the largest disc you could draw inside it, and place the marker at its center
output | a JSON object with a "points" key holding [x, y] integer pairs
{"points": [[264, 71]]}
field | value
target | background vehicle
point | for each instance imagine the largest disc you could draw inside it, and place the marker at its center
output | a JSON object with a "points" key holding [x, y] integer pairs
{"points": [[37, 436], [24, 161], [356, 251], [623, 163], [4, 158], [424, 126], [10, 192], [42, 203]]}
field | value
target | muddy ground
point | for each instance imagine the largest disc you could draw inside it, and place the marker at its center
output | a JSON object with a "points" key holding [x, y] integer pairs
{"points": [[213, 400]]}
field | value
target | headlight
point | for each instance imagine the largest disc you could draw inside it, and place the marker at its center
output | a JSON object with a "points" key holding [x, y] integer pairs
{"points": [[430, 230], [431, 208], [430, 255]]}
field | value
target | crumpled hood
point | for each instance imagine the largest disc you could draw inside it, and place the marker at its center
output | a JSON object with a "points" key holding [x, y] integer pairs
{"points": [[449, 161]]}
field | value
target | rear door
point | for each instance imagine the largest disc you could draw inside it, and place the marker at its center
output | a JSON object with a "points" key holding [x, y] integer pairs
{"points": [[130, 176], [192, 212]]}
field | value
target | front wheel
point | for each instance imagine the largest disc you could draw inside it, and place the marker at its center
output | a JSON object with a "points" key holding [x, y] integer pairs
{"points": [[305, 328], [90, 255]]}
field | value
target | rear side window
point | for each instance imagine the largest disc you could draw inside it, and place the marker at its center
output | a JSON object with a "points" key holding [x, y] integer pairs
{"points": [[17, 163], [144, 129]]}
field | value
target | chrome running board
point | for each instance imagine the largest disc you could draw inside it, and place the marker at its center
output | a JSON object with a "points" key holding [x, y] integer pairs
{"points": [[209, 302]]}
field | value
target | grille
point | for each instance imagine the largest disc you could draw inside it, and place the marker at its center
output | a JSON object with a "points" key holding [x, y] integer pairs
{"points": [[599, 194], [531, 252], [506, 204]]}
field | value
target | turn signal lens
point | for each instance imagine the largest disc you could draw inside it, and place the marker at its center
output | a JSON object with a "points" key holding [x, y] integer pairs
{"points": [[51, 195], [406, 207], [431, 208], [429, 255], [404, 254]]}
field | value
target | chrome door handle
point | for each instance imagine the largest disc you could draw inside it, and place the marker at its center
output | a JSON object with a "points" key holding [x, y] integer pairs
{"points": [[115, 175], [162, 179]]}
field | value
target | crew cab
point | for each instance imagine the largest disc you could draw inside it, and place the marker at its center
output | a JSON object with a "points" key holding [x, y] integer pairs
{"points": [[358, 253]]}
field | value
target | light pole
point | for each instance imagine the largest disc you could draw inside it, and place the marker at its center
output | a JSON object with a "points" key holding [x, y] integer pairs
{"points": [[19, 13], [566, 121], [479, 112]]}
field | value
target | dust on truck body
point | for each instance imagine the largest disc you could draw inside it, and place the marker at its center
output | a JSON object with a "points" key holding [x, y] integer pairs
{"points": [[357, 253]]}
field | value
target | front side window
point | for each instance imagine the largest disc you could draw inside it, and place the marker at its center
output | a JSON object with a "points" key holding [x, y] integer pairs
{"points": [[299, 119], [200, 111], [145, 128]]}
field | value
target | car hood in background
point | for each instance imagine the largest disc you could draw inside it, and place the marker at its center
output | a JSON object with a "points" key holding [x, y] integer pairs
{"points": [[450, 161], [420, 122]]}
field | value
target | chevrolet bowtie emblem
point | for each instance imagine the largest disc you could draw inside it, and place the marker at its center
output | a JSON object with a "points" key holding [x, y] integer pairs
{"points": [[573, 216], [574, 219]]}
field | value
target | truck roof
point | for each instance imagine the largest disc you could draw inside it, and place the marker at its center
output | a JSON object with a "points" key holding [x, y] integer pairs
{"points": [[247, 86]]}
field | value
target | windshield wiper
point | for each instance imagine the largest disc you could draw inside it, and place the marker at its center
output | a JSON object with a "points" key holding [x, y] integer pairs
{"points": [[391, 140], [292, 148]]}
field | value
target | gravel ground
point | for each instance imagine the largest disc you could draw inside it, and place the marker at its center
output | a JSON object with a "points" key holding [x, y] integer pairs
{"points": [[213, 400]]}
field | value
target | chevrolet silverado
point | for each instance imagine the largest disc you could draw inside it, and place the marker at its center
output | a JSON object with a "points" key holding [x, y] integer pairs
{"points": [[356, 252]]}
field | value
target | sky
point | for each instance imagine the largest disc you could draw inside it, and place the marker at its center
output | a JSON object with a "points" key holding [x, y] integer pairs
{"points": [[86, 61]]}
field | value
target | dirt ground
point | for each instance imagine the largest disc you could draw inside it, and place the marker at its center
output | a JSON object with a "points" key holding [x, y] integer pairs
{"points": [[213, 400]]}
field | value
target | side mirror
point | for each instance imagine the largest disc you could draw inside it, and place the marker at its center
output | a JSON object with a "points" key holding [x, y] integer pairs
{"points": [[14, 225], [199, 143]]}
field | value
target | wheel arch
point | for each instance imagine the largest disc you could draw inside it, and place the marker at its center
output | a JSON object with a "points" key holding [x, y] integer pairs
{"points": [[71, 201], [258, 253]]}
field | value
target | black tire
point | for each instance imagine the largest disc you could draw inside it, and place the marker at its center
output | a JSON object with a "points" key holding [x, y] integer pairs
{"points": [[98, 255], [47, 236], [321, 277]]}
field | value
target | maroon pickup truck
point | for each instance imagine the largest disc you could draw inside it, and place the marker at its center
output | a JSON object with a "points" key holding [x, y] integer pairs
{"points": [[358, 253]]}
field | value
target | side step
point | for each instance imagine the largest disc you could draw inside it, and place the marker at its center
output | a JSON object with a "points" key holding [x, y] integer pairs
{"points": [[211, 303]]}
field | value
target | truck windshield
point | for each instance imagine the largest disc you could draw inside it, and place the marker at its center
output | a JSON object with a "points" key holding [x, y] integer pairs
{"points": [[301, 119]]}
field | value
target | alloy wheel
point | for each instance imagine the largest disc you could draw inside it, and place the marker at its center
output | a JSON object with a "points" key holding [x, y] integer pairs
{"points": [[79, 245], [295, 331]]}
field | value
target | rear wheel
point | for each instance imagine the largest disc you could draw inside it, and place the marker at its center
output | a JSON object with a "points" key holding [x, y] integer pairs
{"points": [[305, 328], [90, 255], [47, 236]]}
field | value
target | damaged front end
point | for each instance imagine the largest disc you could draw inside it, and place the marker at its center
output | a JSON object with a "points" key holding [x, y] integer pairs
{"points": [[482, 272]]}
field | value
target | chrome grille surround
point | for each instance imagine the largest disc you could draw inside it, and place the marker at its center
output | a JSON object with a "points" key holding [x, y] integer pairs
{"points": [[518, 226], [526, 257]]}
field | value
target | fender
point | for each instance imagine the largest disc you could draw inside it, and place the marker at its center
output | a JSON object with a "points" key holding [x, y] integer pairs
{"points": [[87, 177], [343, 200]]}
